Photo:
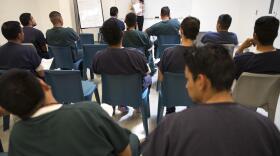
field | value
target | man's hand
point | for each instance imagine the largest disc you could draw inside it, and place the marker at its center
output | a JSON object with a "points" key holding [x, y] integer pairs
{"points": [[246, 44]]}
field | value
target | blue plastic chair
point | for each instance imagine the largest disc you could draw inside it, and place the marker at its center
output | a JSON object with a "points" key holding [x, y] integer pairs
{"points": [[67, 86], [63, 58], [166, 39], [173, 93], [126, 90], [89, 51], [85, 38], [6, 118]]}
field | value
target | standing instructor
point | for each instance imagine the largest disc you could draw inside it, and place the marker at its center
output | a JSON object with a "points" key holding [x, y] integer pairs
{"points": [[138, 8]]}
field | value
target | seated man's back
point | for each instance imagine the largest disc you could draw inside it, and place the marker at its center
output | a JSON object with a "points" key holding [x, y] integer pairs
{"points": [[266, 61], [80, 129], [167, 26], [120, 61], [136, 39], [263, 63], [13, 55], [32, 35], [220, 38], [60, 36]]}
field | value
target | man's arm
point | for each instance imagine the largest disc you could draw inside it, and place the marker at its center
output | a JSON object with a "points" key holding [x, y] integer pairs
{"points": [[246, 44], [126, 151]]}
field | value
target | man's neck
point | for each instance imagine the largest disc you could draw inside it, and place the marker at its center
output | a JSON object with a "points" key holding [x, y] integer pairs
{"points": [[218, 97], [131, 28], [264, 49], [165, 18], [187, 42], [58, 25], [116, 45], [222, 31], [15, 41]]}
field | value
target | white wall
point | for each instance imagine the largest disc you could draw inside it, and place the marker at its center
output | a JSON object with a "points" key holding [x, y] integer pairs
{"points": [[40, 9]]}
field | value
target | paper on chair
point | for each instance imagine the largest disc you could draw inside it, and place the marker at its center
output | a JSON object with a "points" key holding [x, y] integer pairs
{"points": [[46, 63]]}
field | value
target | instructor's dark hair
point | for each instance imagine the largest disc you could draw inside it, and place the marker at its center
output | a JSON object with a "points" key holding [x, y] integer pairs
{"points": [[213, 61]]}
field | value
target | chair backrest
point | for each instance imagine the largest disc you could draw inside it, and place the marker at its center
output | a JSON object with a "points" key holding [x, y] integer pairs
{"points": [[162, 47], [122, 89], [66, 85], [198, 42], [258, 90], [230, 48], [168, 39], [174, 92], [63, 57], [85, 38], [89, 51]]}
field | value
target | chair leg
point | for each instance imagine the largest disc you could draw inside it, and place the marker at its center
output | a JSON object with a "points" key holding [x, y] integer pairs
{"points": [[96, 93], [145, 119], [6, 122]]}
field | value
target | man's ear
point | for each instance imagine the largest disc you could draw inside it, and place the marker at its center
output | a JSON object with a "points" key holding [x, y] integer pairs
{"points": [[202, 81]]}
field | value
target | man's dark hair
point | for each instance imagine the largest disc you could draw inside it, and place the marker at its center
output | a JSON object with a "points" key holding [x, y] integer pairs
{"points": [[114, 11], [190, 26], [165, 11], [11, 29], [266, 29], [20, 92], [131, 19], [25, 18], [54, 16], [111, 31], [225, 21], [215, 62]]}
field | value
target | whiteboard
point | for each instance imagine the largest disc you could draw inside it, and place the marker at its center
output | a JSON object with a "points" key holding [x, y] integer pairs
{"points": [[90, 13]]}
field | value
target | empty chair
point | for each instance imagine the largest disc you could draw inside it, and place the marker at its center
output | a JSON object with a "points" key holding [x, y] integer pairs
{"points": [[63, 58], [173, 93], [126, 90], [89, 51], [6, 118], [166, 39], [67, 86], [85, 38], [230, 48], [258, 90]]}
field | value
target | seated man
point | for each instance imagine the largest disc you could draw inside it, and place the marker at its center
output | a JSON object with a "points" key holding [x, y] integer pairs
{"points": [[32, 35], [222, 36], [62, 37], [49, 128], [116, 60], [15, 55], [217, 125], [172, 59], [137, 39], [266, 61], [114, 14], [167, 26]]}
